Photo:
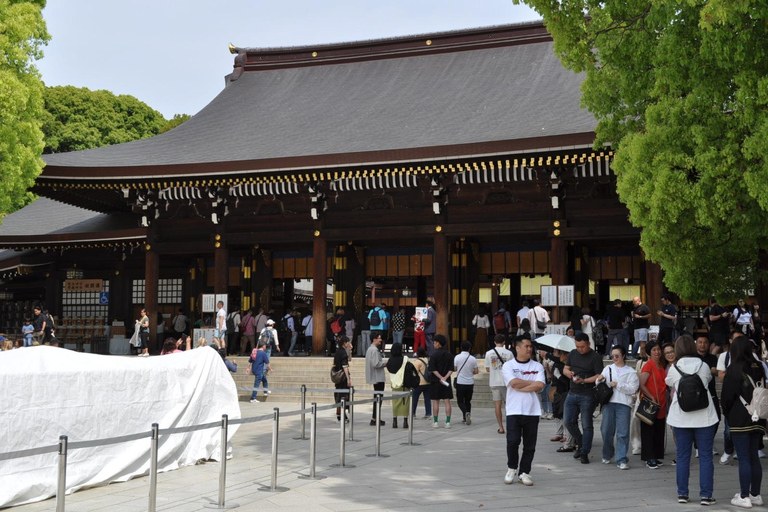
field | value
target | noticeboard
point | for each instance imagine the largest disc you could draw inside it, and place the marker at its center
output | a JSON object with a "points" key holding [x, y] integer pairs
{"points": [[566, 295], [549, 295]]}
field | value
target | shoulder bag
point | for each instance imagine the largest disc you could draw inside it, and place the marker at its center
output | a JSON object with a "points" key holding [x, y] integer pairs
{"points": [[603, 390], [542, 326], [456, 380], [648, 409], [337, 376]]}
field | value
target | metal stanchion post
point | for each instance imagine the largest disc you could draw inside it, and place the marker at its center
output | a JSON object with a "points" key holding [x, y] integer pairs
{"points": [[352, 414], [342, 439], [312, 446], [61, 487], [303, 415], [153, 467], [273, 473], [379, 399], [410, 424], [222, 467]]}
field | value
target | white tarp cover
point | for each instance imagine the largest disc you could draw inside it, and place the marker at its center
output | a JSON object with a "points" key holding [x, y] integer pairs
{"points": [[48, 392]]}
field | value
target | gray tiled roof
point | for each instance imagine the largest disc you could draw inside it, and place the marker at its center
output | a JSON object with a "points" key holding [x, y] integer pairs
{"points": [[46, 216], [482, 95]]}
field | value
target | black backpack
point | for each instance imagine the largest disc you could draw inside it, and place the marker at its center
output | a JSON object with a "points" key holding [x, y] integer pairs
{"points": [[375, 317], [411, 376], [692, 395]]}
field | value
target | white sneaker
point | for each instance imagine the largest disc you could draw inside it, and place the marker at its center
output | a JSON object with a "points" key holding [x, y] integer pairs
{"points": [[268, 392], [724, 459], [525, 479], [469, 419], [738, 501], [509, 478], [606, 461], [756, 500], [636, 451], [254, 400], [761, 454], [697, 453], [623, 465], [448, 425], [435, 425]]}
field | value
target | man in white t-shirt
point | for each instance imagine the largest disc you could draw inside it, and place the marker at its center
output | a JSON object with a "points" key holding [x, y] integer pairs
{"points": [[525, 378], [494, 360], [220, 331], [466, 367], [537, 314]]}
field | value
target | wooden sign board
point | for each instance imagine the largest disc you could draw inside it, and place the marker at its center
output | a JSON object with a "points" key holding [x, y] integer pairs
{"points": [[209, 303], [549, 295], [566, 295], [83, 285]]}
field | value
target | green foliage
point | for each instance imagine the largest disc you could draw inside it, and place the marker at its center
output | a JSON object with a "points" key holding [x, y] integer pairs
{"points": [[22, 34], [175, 121], [78, 118], [680, 89]]}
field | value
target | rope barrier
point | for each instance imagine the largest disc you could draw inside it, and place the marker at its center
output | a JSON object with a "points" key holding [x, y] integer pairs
{"points": [[20, 454]]}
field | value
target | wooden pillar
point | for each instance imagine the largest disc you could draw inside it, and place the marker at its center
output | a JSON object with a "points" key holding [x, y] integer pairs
{"points": [[465, 293], [246, 263], [261, 279], [558, 267], [289, 286], [319, 279], [221, 269], [654, 288], [53, 292], [349, 278], [151, 278], [421, 291], [196, 287], [119, 308], [441, 267]]}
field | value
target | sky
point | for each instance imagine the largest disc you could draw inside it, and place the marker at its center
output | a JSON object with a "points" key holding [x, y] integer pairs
{"points": [[173, 54]]}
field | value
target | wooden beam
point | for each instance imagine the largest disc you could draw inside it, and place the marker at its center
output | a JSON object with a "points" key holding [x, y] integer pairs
{"points": [[440, 272], [320, 271], [151, 278], [221, 269]]}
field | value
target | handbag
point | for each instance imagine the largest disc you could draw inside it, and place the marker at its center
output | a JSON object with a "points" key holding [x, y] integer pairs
{"points": [[542, 326], [647, 410], [337, 376], [429, 377], [604, 392]]}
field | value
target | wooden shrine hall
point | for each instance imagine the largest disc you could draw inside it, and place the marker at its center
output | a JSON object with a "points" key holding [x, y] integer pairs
{"points": [[440, 164]]}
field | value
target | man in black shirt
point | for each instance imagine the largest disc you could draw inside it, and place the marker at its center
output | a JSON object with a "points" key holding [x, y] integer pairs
{"points": [[719, 322], [583, 367], [702, 348], [40, 323], [441, 368], [641, 320], [615, 327], [668, 317]]}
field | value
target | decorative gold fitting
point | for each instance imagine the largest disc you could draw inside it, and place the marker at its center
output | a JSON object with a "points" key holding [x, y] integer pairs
{"points": [[556, 223], [557, 232], [438, 228], [317, 233]]}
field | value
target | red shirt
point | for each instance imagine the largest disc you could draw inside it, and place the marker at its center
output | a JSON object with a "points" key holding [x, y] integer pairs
{"points": [[657, 386]]}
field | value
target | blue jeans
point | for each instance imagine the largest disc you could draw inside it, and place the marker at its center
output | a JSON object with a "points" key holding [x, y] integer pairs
{"points": [[727, 441], [584, 405], [294, 337], [616, 419], [258, 378], [418, 391], [546, 403], [705, 437], [750, 470], [397, 337]]}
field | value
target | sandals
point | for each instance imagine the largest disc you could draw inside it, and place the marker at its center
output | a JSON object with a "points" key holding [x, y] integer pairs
{"points": [[564, 449], [500, 431], [555, 439]]}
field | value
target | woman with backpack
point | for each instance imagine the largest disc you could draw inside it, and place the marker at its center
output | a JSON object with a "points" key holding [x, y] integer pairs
{"points": [[421, 363], [740, 382], [693, 417]]}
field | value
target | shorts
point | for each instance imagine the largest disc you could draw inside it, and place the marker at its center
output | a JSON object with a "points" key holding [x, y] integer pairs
{"points": [[439, 392], [499, 393], [641, 334], [143, 339], [718, 339], [219, 334]]}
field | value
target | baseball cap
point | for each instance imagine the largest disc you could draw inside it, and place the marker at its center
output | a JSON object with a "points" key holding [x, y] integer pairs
{"points": [[270, 322]]}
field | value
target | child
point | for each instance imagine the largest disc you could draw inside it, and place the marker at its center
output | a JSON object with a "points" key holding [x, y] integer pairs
{"points": [[27, 330], [258, 365]]}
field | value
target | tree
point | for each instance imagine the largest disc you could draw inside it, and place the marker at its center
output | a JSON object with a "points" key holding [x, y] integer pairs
{"points": [[175, 121], [680, 89], [78, 118], [22, 34]]}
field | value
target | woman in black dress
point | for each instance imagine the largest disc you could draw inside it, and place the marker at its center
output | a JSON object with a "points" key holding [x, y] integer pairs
{"points": [[341, 362]]}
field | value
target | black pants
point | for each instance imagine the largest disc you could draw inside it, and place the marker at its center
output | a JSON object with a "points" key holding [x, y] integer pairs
{"points": [[379, 386], [464, 398], [652, 439], [525, 428], [666, 334]]}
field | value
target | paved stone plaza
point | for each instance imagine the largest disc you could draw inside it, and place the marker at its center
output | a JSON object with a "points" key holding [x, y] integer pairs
{"points": [[452, 470]]}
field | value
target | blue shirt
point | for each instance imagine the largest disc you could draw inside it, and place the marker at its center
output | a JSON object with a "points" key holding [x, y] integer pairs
{"points": [[262, 358]]}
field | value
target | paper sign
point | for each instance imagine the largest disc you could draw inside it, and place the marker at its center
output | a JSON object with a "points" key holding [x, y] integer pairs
{"points": [[565, 295], [549, 295], [209, 303]]}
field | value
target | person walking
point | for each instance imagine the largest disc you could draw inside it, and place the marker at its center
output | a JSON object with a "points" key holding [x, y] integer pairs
{"points": [[374, 370], [640, 321], [525, 378], [419, 338], [583, 366], [396, 368], [482, 324], [430, 328], [247, 332], [341, 362], [538, 319], [144, 333], [652, 386], [466, 367], [494, 361], [741, 379], [259, 365], [697, 426], [421, 363], [441, 367], [617, 413], [398, 326]]}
